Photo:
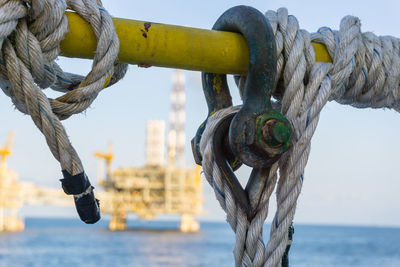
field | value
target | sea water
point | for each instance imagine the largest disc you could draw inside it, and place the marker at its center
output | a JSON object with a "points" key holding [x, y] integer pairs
{"points": [[68, 242]]}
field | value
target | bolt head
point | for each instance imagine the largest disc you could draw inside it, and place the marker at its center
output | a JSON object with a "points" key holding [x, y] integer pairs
{"points": [[275, 133], [280, 132]]}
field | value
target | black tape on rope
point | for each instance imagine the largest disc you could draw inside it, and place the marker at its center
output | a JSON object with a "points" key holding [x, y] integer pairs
{"points": [[87, 205]]}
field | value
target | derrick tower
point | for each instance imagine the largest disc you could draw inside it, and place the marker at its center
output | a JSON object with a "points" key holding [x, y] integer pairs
{"points": [[157, 188], [176, 135], [175, 174]]}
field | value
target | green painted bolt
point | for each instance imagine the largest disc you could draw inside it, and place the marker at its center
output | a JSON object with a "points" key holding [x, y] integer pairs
{"points": [[281, 132], [275, 132]]}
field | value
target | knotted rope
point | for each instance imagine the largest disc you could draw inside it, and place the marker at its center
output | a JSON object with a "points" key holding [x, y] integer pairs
{"points": [[30, 36], [365, 73]]}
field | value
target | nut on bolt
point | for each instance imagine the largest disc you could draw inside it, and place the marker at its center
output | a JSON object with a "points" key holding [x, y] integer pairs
{"points": [[275, 132]]}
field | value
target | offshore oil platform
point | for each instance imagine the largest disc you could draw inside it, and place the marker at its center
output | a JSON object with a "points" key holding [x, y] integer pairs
{"points": [[160, 187], [14, 194], [10, 193], [156, 188]]}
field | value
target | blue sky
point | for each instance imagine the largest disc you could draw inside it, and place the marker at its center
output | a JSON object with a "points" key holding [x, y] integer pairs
{"points": [[352, 176]]}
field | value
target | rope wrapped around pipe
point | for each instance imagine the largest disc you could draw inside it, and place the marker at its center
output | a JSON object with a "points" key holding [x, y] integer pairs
{"points": [[365, 73], [30, 36]]}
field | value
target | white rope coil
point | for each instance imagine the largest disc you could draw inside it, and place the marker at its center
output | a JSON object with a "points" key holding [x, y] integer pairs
{"points": [[30, 36], [365, 73]]}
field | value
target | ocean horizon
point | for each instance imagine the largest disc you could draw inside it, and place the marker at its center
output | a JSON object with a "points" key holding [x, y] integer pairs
{"points": [[69, 242]]}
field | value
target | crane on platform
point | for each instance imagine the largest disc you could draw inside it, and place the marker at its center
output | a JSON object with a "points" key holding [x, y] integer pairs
{"points": [[106, 157], [156, 188], [159, 187], [5, 151]]}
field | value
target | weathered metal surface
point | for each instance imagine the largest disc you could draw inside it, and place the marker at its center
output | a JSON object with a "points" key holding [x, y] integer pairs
{"points": [[257, 134], [154, 44]]}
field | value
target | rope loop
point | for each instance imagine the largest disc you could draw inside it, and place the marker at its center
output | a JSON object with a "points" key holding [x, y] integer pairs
{"points": [[256, 135], [30, 36], [365, 73]]}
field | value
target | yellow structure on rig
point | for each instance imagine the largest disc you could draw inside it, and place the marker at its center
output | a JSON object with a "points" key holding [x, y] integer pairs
{"points": [[11, 199], [149, 191], [14, 194], [156, 188]]}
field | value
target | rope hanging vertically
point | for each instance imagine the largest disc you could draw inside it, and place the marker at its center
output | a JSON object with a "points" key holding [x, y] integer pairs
{"points": [[365, 73], [30, 34]]}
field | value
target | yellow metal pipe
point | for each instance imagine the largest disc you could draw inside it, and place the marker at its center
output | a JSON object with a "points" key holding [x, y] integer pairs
{"points": [[154, 44]]}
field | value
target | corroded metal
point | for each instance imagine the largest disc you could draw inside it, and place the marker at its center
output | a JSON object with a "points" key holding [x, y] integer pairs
{"points": [[168, 46], [257, 134]]}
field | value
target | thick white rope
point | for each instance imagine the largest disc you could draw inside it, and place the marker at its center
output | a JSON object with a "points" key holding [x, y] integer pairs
{"points": [[30, 35], [365, 73]]}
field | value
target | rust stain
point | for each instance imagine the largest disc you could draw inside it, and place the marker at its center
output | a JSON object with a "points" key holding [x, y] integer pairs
{"points": [[147, 26], [144, 65], [144, 34]]}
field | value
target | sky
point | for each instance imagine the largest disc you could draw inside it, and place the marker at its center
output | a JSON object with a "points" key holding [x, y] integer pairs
{"points": [[352, 176]]}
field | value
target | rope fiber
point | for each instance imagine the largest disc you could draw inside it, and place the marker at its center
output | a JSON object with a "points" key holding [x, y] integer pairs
{"points": [[30, 36], [365, 73]]}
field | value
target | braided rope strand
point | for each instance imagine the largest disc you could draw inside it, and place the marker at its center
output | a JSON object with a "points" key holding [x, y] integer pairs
{"points": [[365, 73], [30, 36]]}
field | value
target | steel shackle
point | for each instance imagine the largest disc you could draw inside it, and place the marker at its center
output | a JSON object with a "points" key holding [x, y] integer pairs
{"points": [[258, 135]]}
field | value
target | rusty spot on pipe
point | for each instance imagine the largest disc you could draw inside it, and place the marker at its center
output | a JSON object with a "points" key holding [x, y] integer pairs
{"points": [[144, 65], [147, 26]]}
